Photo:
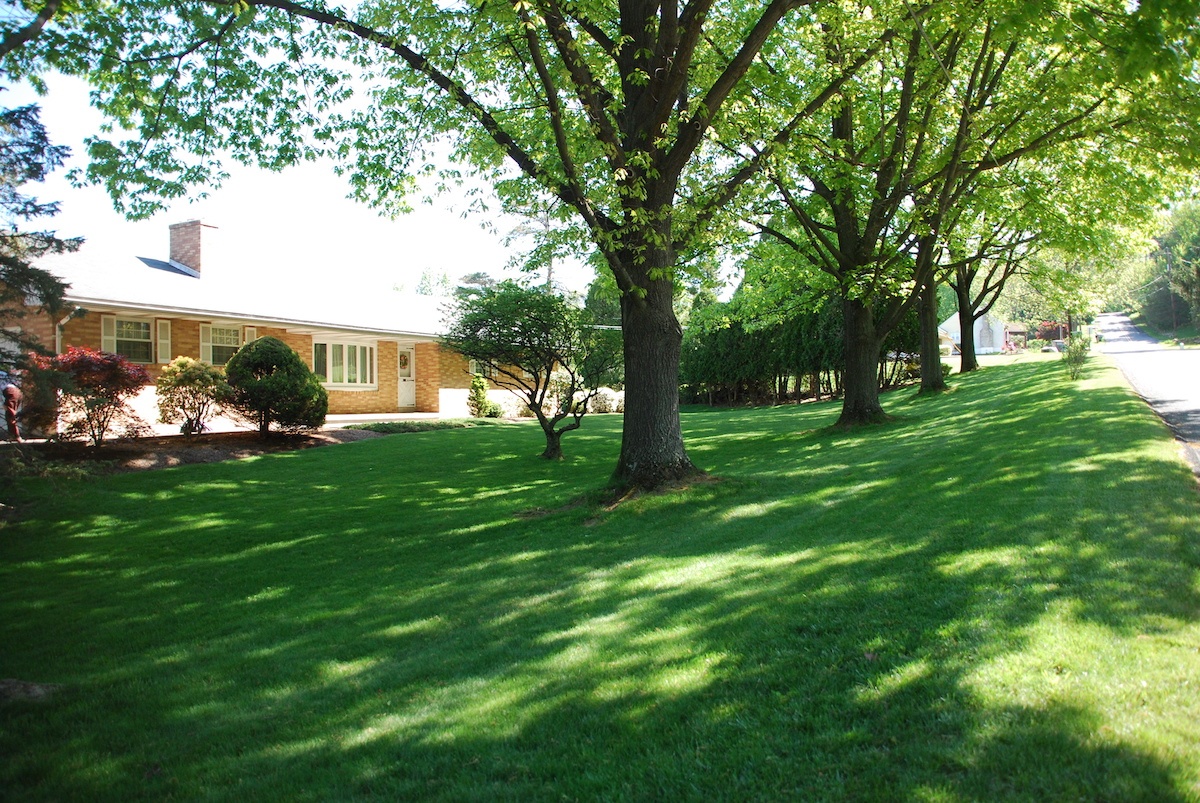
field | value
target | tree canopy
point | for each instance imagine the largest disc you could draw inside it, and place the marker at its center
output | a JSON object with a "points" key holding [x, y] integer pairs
{"points": [[945, 121], [607, 109], [549, 353], [646, 119], [26, 156]]}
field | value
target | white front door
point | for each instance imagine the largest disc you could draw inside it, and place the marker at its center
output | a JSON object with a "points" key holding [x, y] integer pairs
{"points": [[407, 394]]}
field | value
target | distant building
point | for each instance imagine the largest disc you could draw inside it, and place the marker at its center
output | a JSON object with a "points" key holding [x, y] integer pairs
{"points": [[992, 335]]}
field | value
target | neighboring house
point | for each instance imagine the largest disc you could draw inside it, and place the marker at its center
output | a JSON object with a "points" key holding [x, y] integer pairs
{"points": [[377, 352], [991, 334]]}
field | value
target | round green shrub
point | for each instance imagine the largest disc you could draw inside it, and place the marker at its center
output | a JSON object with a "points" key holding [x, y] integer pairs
{"points": [[271, 385]]}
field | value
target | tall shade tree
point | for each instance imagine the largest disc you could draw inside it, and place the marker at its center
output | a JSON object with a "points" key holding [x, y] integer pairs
{"points": [[608, 108], [867, 200], [1080, 204], [26, 156], [1178, 254]]}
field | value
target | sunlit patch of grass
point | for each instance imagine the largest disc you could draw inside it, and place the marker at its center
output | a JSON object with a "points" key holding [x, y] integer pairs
{"points": [[990, 597]]}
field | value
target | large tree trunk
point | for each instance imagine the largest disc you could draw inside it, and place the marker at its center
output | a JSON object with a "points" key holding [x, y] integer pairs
{"points": [[860, 378], [553, 450], [652, 451], [932, 380], [966, 325]]}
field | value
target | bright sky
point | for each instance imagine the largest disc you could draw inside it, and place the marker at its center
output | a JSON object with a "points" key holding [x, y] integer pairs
{"points": [[298, 220]]}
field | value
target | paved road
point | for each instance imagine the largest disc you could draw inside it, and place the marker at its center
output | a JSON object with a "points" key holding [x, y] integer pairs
{"points": [[1167, 378]]}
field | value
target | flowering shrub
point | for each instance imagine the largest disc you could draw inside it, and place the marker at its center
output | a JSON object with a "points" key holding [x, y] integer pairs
{"points": [[189, 392], [96, 387], [607, 400]]}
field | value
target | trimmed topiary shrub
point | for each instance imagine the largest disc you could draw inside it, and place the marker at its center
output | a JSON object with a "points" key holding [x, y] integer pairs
{"points": [[189, 392], [270, 385], [478, 402]]}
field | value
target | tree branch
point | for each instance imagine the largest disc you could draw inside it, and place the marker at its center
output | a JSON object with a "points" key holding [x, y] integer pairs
{"points": [[22, 36]]}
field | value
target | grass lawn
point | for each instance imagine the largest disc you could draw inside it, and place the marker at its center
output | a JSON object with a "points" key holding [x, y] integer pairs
{"points": [[1188, 333], [994, 597]]}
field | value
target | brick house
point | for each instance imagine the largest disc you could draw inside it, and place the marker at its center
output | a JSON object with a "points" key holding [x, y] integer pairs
{"points": [[377, 352]]}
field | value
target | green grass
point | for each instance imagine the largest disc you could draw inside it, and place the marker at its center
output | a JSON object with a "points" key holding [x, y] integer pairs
{"points": [[1188, 333], [993, 597]]}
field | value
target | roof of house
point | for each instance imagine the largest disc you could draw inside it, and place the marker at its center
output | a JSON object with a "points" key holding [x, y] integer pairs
{"points": [[297, 297], [951, 324]]}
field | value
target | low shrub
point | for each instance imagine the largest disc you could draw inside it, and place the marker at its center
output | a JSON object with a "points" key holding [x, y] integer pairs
{"points": [[189, 392], [21, 465], [607, 400], [1075, 355]]}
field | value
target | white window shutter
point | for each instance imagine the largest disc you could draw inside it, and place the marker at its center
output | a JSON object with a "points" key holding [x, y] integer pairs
{"points": [[206, 343], [250, 334], [108, 333], [164, 341]]}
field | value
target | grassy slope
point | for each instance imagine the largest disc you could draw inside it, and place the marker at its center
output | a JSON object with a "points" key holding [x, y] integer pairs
{"points": [[1188, 332], [993, 597]]}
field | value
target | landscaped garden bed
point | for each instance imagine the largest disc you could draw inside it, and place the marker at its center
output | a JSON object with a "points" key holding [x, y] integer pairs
{"points": [[140, 454]]}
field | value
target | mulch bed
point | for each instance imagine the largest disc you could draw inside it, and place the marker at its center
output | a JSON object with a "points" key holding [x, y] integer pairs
{"points": [[142, 454]]}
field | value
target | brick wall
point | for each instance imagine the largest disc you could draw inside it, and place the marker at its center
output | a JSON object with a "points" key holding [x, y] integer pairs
{"points": [[301, 344], [439, 369], [453, 370], [382, 400], [427, 369], [185, 339]]}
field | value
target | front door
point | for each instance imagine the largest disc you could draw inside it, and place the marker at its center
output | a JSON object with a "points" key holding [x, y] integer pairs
{"points": [[407, 394]]}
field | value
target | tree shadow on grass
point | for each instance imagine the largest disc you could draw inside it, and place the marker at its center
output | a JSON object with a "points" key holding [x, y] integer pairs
{"points": [[840, 619]]}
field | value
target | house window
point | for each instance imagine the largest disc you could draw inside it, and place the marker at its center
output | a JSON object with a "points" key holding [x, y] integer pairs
{"points": [[226, 341], [133, 340], [476, 367], [350, 365], [219, 343]]}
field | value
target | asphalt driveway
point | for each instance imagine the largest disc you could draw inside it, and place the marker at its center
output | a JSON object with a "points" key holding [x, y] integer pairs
{"points": [[1167, 378]]}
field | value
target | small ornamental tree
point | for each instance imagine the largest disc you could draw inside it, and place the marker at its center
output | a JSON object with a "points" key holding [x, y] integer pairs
{"points": [[540, 348], [189, 392], [1075, 355], [270, 384], [96, 389]]}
